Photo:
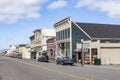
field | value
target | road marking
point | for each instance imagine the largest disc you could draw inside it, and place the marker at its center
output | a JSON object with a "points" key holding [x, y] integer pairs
{"points": [[56, 71]]}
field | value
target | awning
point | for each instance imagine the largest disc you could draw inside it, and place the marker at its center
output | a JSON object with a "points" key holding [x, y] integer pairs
{"points": [[78, 50], [32, 50], [44, 51]]}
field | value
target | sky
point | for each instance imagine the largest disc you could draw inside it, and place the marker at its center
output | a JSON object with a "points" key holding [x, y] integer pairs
{"points": [[19, 18]]}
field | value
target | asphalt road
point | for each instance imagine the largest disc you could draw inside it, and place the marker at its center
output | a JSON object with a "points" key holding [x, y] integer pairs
{"points": [[21, 69]]}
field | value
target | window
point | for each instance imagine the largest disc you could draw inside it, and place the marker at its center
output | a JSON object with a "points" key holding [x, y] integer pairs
{"points": [[68, 33], [60, 35], [64, 34], [57, 35]]}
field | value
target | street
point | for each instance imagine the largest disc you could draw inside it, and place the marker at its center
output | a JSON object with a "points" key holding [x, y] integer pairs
{"points": [[22, 69]]}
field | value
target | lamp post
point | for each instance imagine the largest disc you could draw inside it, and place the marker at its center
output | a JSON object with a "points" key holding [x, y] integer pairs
{"points": [[82, 54]]}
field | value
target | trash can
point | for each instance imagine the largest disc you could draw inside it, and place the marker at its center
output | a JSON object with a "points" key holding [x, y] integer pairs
{"points": [[97, 61]]}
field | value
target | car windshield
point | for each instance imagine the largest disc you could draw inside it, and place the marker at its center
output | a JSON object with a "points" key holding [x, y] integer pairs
{"points": [[66, 58]]}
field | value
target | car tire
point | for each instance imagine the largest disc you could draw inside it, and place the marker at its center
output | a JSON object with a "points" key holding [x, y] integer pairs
{"points": [[63, 63], [71, 64]]}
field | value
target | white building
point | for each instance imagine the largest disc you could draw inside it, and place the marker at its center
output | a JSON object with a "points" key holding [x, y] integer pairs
{"points": [[40, 45], [27, 51], [13, 49]]}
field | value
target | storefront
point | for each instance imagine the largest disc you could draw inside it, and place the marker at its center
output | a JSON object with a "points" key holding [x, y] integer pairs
{"points": [[108, 53]]}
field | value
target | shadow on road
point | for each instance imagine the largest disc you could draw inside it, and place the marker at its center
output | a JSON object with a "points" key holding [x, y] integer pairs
{"points": [[0, 78]]}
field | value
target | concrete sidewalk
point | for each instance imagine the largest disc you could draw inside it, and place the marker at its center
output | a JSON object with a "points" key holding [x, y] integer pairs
{"points": [[110, 67]]}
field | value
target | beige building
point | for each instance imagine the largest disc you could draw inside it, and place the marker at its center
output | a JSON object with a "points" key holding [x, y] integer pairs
{"points": [[109, 53], [22, 50]]}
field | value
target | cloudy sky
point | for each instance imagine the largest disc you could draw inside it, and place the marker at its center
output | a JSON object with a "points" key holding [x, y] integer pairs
{"points": [[19, 18]]}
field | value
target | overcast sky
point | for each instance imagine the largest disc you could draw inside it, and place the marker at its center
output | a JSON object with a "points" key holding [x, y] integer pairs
{"points": [[19, 18]]}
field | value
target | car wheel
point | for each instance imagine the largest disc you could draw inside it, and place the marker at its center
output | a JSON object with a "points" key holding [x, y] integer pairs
{"points": [[65, 64], [71, 64], [62, 63]]}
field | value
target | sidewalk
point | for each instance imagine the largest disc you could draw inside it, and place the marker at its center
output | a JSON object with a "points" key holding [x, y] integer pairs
{"points": [[110, 67]]}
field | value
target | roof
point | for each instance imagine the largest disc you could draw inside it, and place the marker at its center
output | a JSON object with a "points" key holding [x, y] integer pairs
{"points": [[68, 18], [39, 30], [33, 36], [22, 45], [50, 39], [100, 30]]}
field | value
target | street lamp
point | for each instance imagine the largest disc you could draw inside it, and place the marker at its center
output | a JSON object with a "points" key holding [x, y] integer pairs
{"points": [[82, 54]]}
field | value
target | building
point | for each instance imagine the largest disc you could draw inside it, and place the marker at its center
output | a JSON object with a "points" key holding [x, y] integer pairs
{"points": [[27, 52], [32, 47], [63, 38], [70, 33], [51, 48], [103, 43], [13, 49], [39, 44], [22, 50]]}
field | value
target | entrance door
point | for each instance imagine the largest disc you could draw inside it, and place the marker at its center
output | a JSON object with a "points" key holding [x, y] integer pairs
{"points": [[78, 57], [33, 55], [93, 54]]}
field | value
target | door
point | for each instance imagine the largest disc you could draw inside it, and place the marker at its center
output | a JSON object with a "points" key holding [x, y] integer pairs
{"points": [[110, 55]]}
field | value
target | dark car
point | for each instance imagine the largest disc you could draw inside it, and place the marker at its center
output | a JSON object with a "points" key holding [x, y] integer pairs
{"points": [[64, 61], [43, 58]]}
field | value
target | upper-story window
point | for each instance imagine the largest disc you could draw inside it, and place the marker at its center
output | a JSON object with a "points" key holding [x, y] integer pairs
{"points": [[64, 34]]}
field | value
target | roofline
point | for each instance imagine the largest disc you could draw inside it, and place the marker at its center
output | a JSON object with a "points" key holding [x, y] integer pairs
{"points": [[36, 30], [51, 38], [107, 38], [80, 28], [32, 36], [100, 23], [68, 18]]}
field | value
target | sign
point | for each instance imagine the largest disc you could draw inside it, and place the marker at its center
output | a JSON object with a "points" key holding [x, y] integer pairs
{"points": [[85, 47]]}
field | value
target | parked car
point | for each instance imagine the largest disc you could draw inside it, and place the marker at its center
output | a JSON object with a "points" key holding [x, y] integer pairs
{"points": [[43, 58], [64, 61], [13, 55], [19, 56]]}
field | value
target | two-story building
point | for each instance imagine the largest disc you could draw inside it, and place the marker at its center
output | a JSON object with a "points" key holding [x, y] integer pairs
{"points": [[32, 47], [51, 48], [22, 50], [63, 38], [39, 44]]}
